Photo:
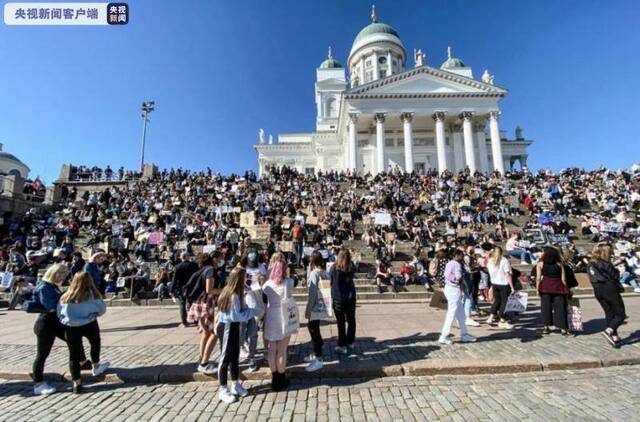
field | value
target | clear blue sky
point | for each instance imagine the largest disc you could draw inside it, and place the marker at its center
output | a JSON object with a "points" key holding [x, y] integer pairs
{"points": [[220, 70]]}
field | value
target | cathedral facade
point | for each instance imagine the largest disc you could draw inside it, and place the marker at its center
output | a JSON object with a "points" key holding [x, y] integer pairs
{"points": [[378, 114]]}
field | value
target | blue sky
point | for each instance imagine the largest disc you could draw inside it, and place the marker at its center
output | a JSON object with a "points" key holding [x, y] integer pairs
{"points": [[220, 70]]}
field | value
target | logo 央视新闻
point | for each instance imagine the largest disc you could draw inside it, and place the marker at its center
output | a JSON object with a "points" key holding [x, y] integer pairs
{"points": [[117, 13]]}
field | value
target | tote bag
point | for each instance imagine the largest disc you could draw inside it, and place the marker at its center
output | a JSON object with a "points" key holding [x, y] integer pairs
{"points": [[290, 317], [517, 302], [574, 318], [438, 300], [6, 280], [324, 305]]}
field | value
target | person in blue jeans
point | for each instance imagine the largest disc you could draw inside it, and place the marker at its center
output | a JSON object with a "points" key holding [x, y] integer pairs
{"points": [[297, 234], [516, 249]]}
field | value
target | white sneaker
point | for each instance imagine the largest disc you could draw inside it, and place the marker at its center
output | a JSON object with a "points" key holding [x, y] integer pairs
{"points": [[341, 350], [444, 341], [244, 354], [314, 365], [253, 366], [471, 322], [208, 369], [491, 319], [43, 389], [637, 290], [466, 338], [309, 358], [174, 299], [226, 396], [238, 390], [505, 325], [100, 369]]}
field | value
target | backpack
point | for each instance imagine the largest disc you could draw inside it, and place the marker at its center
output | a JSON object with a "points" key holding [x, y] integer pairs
{"points": [[195, 286]]}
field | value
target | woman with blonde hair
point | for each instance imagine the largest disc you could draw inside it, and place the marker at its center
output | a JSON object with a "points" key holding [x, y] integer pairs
{"points": [[604, 278], [500, 274], [231, 313], [277, 289], [78, 311], [47, 326]]}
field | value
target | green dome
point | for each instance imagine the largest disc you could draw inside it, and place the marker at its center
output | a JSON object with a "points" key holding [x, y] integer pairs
{"points": [[375, 28], [330, 64], [452, 63]]}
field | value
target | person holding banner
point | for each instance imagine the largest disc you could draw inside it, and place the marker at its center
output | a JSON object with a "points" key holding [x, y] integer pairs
{"points": [[315, 305], [276, 333]]}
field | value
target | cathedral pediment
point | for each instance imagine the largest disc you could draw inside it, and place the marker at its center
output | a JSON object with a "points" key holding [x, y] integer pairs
{"points": [[425, 82]]}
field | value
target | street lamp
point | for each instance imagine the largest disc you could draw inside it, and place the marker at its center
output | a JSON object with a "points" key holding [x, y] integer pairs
{"points": [[147, 107]]}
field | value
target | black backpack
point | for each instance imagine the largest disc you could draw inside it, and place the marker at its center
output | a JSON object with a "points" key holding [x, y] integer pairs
{"points": [[195, 286]]}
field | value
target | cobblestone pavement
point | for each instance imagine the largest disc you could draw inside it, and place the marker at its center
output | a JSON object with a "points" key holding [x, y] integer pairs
{"points": [[610, 394], [400, 337]]}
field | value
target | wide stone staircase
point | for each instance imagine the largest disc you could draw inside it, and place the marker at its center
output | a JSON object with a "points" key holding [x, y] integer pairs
{"points": [[367, 291]]}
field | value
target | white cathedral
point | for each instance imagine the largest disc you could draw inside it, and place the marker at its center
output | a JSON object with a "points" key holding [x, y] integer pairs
{"points": [[388, 116]]}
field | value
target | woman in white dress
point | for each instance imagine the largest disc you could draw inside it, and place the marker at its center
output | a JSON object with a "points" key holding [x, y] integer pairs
{"points": [[277, 288]]}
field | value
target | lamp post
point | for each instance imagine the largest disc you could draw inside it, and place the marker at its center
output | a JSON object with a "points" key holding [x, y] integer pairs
{"points": [[147, 107]]}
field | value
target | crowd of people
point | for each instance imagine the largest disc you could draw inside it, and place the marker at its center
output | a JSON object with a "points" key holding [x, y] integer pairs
{"points": [[253, 239], [98, 174]]}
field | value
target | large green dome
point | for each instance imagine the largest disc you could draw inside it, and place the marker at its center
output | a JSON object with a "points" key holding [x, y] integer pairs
{"points": [[375, 28]]}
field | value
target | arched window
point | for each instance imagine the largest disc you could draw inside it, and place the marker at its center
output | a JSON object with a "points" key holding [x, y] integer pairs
{"points": [[14, 172], [330, 107]]}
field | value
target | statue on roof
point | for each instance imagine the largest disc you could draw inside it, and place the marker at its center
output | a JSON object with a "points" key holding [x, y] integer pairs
{"points": [[487, 77], [418, 57], [519, 134], [329, 54], [261, 136], [374, 17], [270, 139]]}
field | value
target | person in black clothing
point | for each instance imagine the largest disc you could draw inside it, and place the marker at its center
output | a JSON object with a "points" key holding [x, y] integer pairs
{"points": [[604, 278], [343, 293], [183, 272]]}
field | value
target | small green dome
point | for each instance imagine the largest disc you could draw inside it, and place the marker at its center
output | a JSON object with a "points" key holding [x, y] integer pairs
{"points": [[375, 28], [330, 64], [452, 63]]}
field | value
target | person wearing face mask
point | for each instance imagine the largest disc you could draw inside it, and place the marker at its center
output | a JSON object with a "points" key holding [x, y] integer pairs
{"points": [[256, 275]]}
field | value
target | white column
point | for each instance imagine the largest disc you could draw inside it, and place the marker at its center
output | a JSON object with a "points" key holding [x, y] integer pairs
{"points": [[467, 132], [375, 66], [353, 118], [389, 64], [496, 145], [380, 142], [362, 70], [441, 145], [407, 119], [458, 154], [481, 140]]}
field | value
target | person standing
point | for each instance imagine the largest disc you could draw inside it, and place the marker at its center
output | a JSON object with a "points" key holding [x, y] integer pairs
{"points": [[453, 279], [232, 312], [78, 311], [256, 275], [502, 284], [316, 274], [206, 288], [277, 289], [94, 268], [551, 283], [47, 326], [298, 234], [183, 272], [343, 294], [606, 288]]}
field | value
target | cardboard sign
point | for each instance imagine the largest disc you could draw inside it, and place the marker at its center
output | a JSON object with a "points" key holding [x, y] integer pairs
{"points": [[197, 249], [237, 210], [367, 220], [321, 212], [155, 238], [346, 216], [119, 243], [259, 232], [153, 219], [286, 223], [116, 229], [312, 221], [285, 246], [382, 219], [247, 219], [209, 248]]}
